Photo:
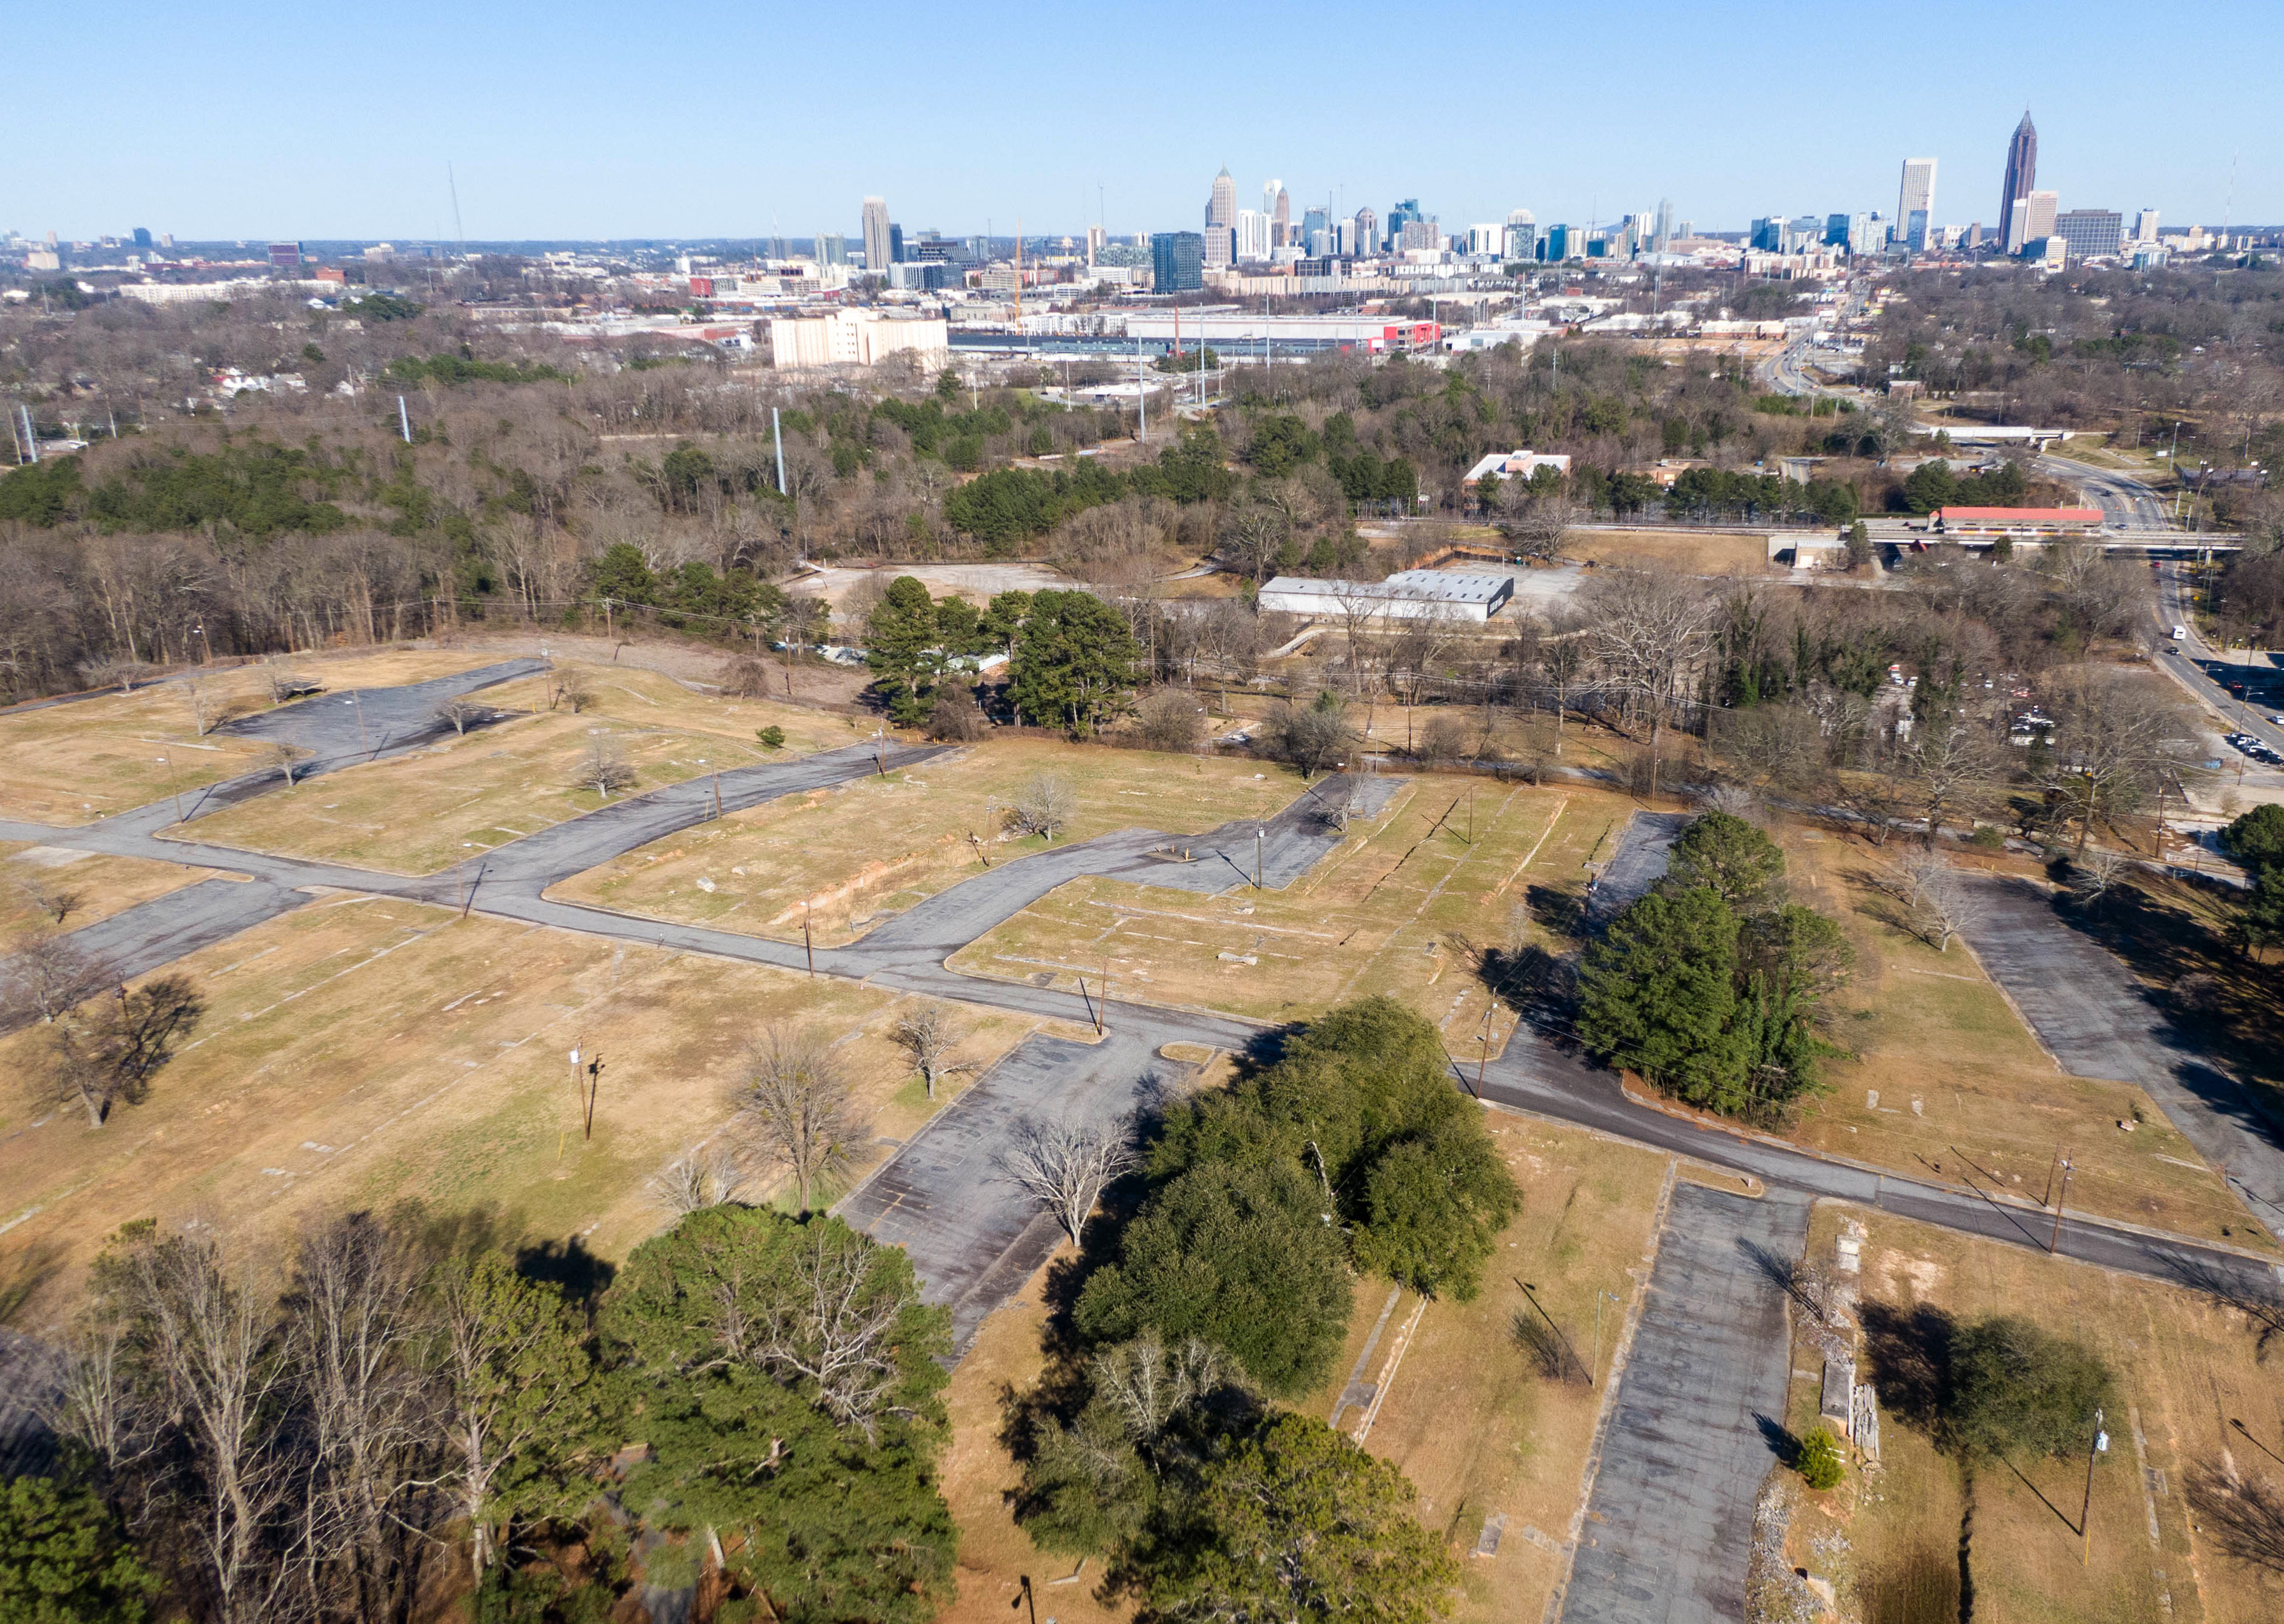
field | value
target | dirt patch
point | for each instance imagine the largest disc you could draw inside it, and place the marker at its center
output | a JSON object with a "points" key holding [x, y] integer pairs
{"points": [[1696, 552]]}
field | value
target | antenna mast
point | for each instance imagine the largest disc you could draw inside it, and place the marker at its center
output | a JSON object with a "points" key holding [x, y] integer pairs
{"points": [[457, 230]]}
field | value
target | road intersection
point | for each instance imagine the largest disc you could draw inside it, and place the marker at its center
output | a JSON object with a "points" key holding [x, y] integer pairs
{"points": [[907, 953]]}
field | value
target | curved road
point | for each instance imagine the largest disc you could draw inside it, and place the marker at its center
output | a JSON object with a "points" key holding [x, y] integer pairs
{"points": [[909, 953]]}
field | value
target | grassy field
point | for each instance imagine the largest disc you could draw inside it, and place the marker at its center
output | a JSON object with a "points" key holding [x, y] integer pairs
{"points": [[1474, 1429], [1896, 1540], [1403, 907], [68, 764], [33, 879], [1696, 552], [360, 1052], [423, 812], [877, 846], [1466, 1417], [1946, 1081]]}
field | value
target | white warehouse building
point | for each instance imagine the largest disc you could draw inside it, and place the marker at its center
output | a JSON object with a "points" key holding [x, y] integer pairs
{"points": [[1408, 595]]}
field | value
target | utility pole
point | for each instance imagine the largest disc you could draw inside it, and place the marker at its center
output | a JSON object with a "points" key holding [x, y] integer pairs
{"points": [[2061, 1200], [777, 433], [2085, 1512], [363, 743], [807, 945], [1258, 831]]}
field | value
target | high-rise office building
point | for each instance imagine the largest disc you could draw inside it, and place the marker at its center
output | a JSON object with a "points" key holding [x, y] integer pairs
{"points": [[895, 244], [876, 234], [2145, 225], [1403, 214], [1367, 228], [1095, 241], [1177, 261], [142, 235], [832, 249], [1662, 238], [1252, 242], [2039, 211], [1277, 204], [1314, 220], [1220, 221], [1522, 239], [1915, 197], [2022, 175], [2088, 232]]}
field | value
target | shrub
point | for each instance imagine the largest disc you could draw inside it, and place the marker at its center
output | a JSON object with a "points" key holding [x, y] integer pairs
{"points": [[772, 738], [1820, 1465]]}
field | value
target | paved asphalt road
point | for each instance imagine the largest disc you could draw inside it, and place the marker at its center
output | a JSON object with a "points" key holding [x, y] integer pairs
{"points": [[2126, 504], [907, 953], [2095, 1019], [2195, 673], [1696, 1419]]}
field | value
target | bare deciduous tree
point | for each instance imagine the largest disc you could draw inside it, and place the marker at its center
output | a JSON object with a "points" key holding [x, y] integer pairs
{"points": [[285, 760], [573, 687], [48, 975], [53, 898], [1952, 760], [2096, 872], [1934, 900], [2246, 1516], [1046, 803], [837, 1326], [605, 767], [700, 1177], [1169, 720], [106, 1051], [1065, 1166], [1651, 632], [1149, 1383], [354, 1322], [462, 712], [928, 1033], [795, 1105]]}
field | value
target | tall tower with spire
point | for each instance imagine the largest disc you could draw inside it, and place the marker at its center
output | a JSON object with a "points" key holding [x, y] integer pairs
{"points": [[2021, 176]]}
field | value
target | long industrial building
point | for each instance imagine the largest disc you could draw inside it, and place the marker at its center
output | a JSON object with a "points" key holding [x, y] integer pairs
{"points": [[1408, 595]]}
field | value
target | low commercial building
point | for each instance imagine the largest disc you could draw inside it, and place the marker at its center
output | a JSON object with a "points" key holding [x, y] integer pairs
{"points": [[855, 338], [1408, 595], [1968, 521], [1513, 465], [1239, 330]]}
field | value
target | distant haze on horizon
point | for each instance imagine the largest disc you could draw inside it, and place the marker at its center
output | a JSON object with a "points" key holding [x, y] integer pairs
{"points": [[573, 121]]}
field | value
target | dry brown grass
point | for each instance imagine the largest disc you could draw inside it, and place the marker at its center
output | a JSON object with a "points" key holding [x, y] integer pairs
{"points": [[68, 764], [364, 1051], [102, 885], [876, 845], [2185, 1367], [1695, 552], [1467, 1418], [1463, 1418], [1965, 1094], [1402, 907], [416, 814]]}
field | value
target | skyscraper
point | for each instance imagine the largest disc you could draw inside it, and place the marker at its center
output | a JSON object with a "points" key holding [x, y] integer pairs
{"points": [[1915, 201], [1521, 237], [1367, 226], [1177, 262], [2021, 176], [1280, 216], [876, 234], [1662, 238], [1221, 220]]}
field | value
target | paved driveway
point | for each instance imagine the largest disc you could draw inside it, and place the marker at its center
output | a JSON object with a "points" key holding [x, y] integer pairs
{"points": [[1669, 1527], [2099, 1022]]}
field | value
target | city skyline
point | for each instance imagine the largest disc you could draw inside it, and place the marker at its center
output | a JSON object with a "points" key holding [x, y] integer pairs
{"points": [[190, 139]]}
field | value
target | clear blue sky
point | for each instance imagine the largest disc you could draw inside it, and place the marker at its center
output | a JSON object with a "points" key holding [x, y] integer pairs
{"points": [[571, 119]]}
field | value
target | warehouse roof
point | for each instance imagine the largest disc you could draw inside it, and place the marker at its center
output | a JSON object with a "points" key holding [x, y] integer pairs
{"points": [[1423, 585]]}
